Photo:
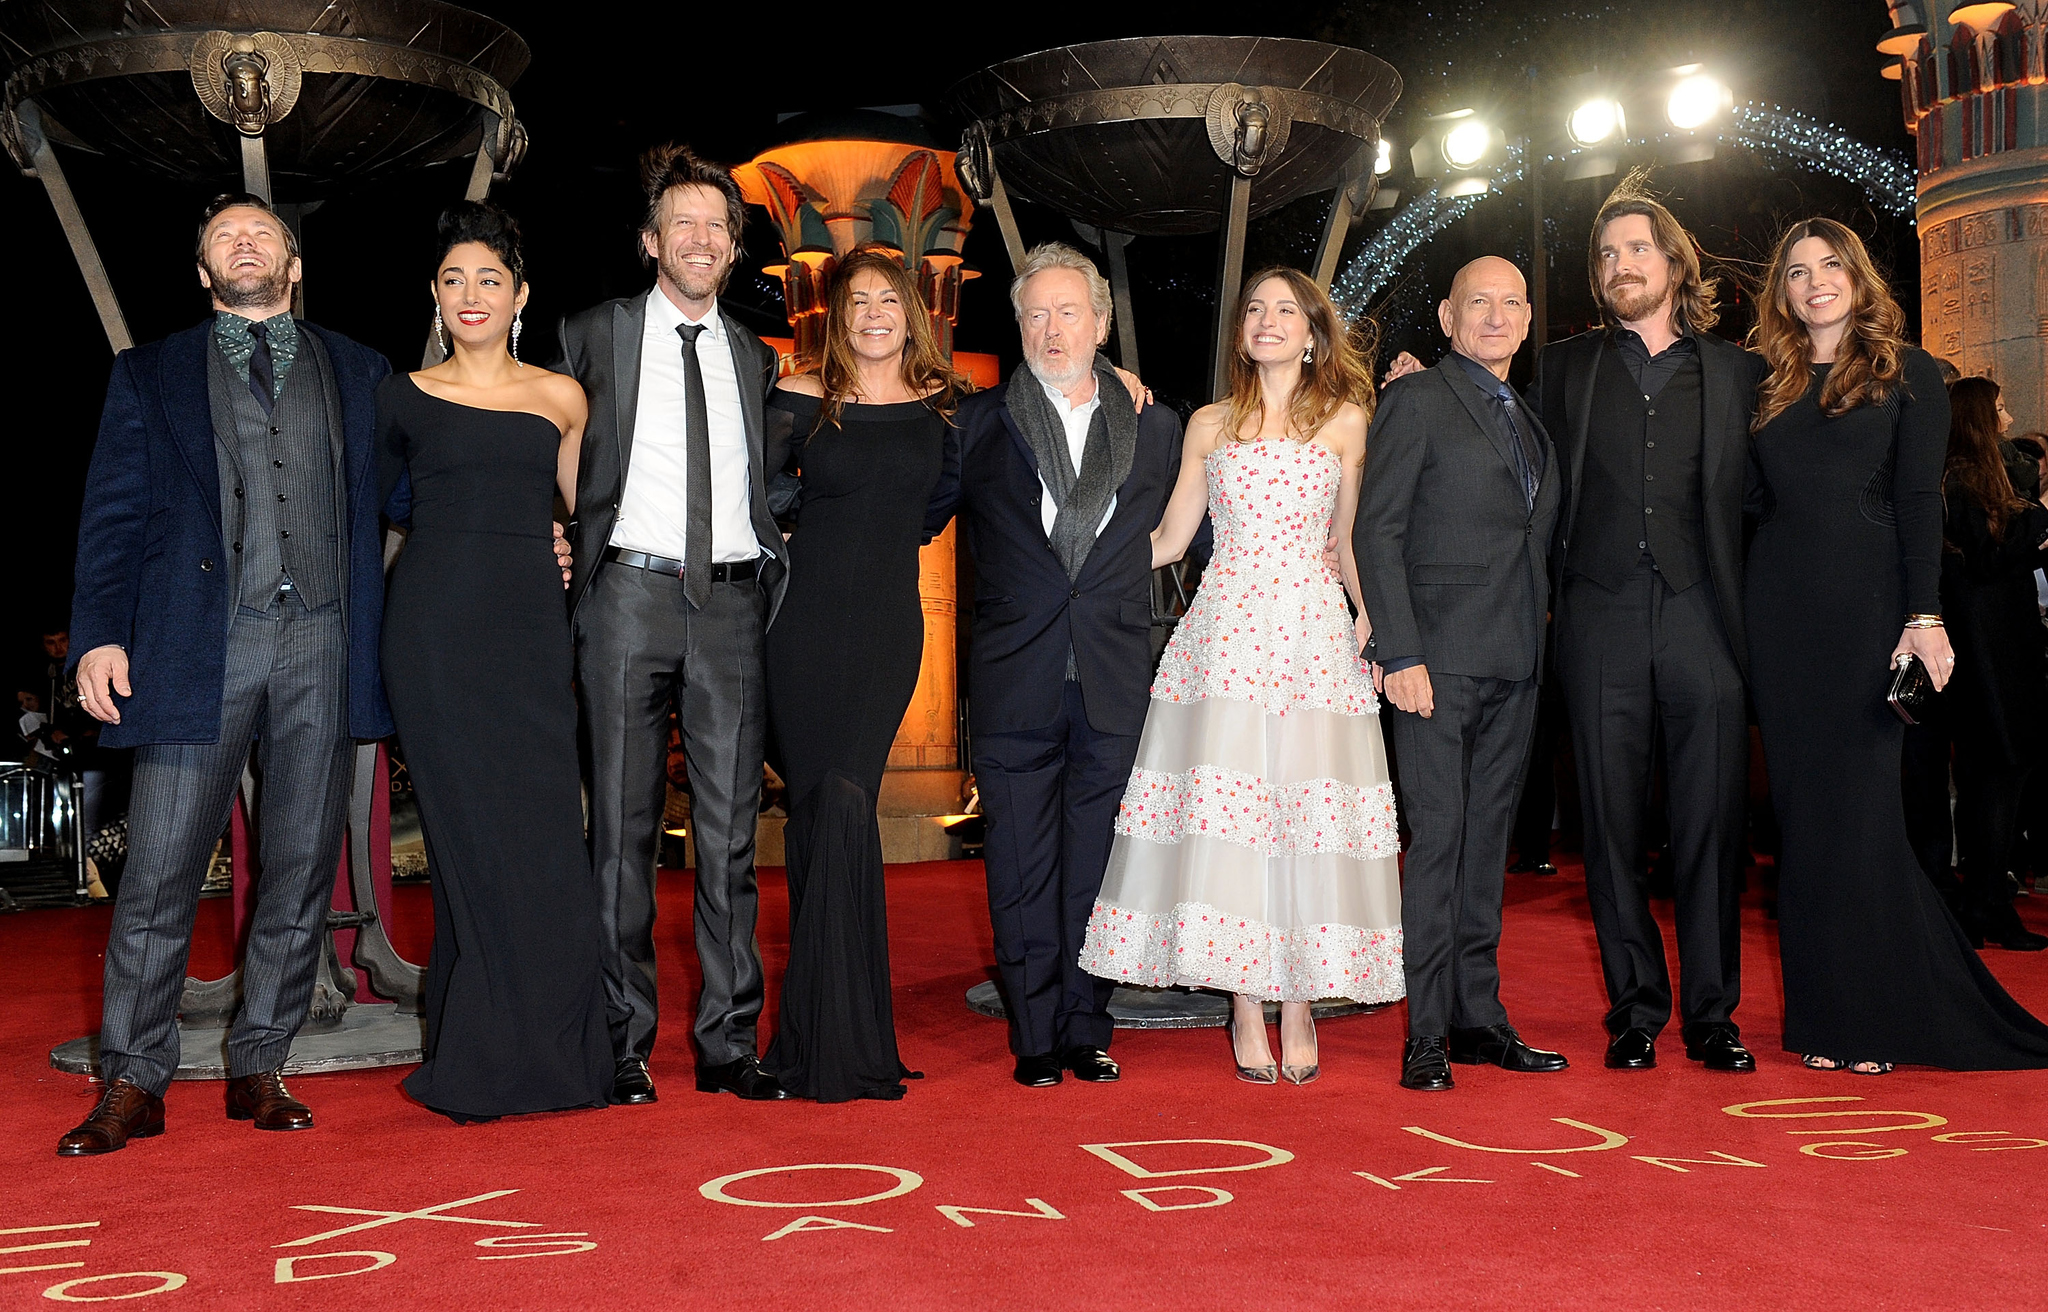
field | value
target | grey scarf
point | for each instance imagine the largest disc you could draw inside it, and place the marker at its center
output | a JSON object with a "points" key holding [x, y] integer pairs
{"points": [[1081, 496]]}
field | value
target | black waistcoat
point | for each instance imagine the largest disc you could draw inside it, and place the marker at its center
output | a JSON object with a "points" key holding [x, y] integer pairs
{"points": [[1639, 490], [278, 481]]}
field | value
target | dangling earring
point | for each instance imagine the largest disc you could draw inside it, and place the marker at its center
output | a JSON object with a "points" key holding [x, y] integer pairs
{"points": [[1308, 353], [515, 339], [440, 334]]}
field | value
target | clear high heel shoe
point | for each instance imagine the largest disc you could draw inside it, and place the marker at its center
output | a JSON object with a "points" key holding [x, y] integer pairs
{"points": [[1303, 1074], [1266, 1074]]}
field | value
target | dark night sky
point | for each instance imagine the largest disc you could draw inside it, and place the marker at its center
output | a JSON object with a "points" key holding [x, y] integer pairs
{"points": [[635, 74]]}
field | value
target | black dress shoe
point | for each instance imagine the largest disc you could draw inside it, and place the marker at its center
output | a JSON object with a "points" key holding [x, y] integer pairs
{"points": [[1719, 1049], [1090, 1064], [1499, 1045], [631, 1083], [1523, 867], [1040, 1072], [1632, 1050], [1425, 1067], [743, 1077]]}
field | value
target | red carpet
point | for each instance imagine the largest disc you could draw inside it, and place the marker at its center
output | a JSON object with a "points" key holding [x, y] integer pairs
{"points": [[1918, 1190]]}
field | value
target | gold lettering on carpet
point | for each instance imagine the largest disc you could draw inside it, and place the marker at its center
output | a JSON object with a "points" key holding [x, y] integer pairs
{"points": [[288, 1267], [558, 1244], [906, 1181], [1143, 1197], [46, 1246], [804, 1224], [383, 1217], [1107, 1152], [1672, 1163], [958, 1215], [1608, 1139]]}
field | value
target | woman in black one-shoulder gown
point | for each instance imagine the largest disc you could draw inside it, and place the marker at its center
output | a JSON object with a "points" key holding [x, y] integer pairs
{"points": [[477, 663], [1877, 970]]}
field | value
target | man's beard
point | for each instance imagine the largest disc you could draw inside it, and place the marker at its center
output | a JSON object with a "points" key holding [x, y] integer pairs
{"points": [[1633, 302], [251, 291], [694, 285], [1079, 367]]}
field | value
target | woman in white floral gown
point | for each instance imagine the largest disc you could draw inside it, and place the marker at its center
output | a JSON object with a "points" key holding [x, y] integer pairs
{"points": [[1256, 846]]}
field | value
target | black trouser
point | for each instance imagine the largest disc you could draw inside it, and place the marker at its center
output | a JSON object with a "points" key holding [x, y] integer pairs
{"points": [[286, 689], [1460, 770], [1051, 799], [1539, 800], [640, 650], [1631, 662]]}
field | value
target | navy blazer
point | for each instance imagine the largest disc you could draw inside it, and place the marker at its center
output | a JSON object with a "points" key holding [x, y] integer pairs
{"points": [[1027, 614], [152, 576]]}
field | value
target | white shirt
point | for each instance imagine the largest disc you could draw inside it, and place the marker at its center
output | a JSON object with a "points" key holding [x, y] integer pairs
{"points": [[652, 515], [1076, 418]]}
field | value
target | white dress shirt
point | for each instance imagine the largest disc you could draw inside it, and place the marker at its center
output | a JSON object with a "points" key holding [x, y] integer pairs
{"points": [[1076, 418], [652, 515]]}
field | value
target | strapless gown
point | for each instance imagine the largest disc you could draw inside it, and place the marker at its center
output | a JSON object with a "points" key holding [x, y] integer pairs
{"points": [[1256, 847]]}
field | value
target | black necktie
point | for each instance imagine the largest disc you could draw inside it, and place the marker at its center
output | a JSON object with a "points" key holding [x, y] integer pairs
{"points": [[262, 373], [1528, 459], [696, 473]]}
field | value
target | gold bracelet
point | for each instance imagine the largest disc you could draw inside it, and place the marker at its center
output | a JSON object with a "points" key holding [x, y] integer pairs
{"points": [[1924, 622]]}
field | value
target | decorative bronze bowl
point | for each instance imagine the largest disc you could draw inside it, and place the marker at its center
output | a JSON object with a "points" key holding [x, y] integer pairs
{"points": [[339, 90], [1121, 134]]}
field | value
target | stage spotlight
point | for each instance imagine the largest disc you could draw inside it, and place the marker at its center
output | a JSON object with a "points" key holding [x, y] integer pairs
{"points": [[1598, 120], [1383, 161], [1697, 100], [1465, 145]]}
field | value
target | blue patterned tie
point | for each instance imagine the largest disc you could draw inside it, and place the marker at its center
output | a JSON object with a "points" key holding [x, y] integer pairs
{"points": [[1528, 460]]}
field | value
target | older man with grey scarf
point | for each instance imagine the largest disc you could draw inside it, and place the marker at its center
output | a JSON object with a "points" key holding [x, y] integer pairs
{"points": [[1058, 485]]}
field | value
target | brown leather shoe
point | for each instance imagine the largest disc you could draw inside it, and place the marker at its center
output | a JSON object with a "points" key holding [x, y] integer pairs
{"points": [[262, 1098], [125, 1112]]}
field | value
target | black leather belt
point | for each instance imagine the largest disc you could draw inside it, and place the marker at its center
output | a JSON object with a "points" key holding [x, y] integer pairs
{"points": [[731, 571]]}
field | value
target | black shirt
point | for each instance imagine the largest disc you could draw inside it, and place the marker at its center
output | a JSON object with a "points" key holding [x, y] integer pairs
{"points": [[1651, 372]]}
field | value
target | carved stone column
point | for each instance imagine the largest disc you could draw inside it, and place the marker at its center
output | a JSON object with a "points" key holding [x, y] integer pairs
{"points": [[1977, 101]]}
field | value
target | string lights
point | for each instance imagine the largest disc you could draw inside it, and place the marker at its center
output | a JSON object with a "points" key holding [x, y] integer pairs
{"points": [[1415, 223], [1887, 178]]}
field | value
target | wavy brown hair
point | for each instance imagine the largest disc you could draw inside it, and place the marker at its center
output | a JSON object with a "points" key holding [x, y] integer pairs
{"points": [[927, 373], [1692, 292], [1974, 467], [1339, 370], [1871, 363]]}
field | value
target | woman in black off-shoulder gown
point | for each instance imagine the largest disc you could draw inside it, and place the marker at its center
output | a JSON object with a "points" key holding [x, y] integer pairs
{"points": [[843, 657], [478, 666], [1876, 969]]}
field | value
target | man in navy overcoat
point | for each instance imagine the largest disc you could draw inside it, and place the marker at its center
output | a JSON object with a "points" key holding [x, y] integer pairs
{"points": [[230, 588]]}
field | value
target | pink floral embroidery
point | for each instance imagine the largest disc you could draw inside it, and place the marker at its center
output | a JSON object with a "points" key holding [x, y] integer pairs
{"points": [[1321, 815], [1197, 946]]}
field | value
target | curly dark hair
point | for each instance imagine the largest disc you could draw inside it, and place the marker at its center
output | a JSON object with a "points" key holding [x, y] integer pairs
{"points": [[675, 165], [488, 226]]}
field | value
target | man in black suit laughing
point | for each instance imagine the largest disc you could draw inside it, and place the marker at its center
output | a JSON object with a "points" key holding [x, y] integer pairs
{"points": [[1454, 521]]}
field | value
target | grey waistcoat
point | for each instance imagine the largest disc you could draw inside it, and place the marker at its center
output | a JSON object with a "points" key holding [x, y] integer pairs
{"points": [[281, 500]]}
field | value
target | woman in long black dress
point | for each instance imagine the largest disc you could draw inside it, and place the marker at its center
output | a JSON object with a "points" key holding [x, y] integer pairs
{"points": [[1843, 579], [843, 659], [1998, 701], [477, 662]]}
